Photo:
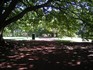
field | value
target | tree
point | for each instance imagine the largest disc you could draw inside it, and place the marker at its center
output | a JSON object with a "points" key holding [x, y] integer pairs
{"points": [[70, 12], [12, 10], [32, 23]]}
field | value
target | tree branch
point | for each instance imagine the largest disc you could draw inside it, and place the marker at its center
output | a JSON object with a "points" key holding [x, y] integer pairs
{"points": [[20, 15], [8, 10]]}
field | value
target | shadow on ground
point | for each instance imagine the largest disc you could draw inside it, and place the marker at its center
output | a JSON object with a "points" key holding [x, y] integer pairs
{"points": [[48, 56]]}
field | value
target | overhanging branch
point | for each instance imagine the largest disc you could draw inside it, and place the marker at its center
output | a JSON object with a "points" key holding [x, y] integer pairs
{"points": [[8, 10], [20, 15]]}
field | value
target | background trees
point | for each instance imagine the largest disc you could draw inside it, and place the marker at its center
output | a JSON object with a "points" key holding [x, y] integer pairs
{"points": [[32, 23], [73, 15]]}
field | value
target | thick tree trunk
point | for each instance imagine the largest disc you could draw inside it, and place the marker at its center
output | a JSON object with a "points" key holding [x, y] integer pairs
{"points": [[4, 47], [2, 42]]}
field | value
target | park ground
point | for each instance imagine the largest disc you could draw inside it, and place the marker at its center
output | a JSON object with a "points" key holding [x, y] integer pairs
{"points": [[72, 39], [47, 55]]}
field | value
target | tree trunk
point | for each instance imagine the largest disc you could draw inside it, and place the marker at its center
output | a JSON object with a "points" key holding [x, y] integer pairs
{"points": [[2, 42], [4, 47]]}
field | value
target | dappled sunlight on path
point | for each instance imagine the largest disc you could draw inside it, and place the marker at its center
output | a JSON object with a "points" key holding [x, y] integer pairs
{"points": [[48, 56]]}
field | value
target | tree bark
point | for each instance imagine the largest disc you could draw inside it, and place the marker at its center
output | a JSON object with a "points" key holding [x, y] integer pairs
{"points": [[2, 42], [4, 47]]}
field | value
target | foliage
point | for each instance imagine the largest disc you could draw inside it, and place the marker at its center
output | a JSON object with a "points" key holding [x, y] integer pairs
{"points": [[67, 17]]}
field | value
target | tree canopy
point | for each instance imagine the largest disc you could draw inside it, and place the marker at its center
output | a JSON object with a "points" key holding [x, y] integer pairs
{"points": [[75, 15]]}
